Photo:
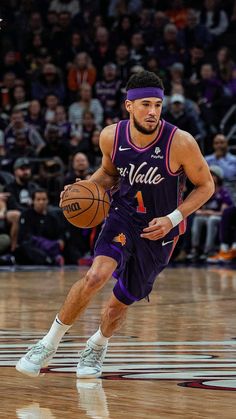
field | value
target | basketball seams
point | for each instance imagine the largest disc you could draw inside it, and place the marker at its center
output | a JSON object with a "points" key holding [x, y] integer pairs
{"points": [[81, 186], [97, 211], [94, 199], [98, 192]]}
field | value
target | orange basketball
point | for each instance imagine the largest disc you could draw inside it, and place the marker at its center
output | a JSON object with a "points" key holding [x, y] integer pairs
{"points": [[85, 204]]}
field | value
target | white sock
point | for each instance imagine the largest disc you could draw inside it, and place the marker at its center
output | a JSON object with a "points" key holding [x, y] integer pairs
{"points": [[234, 245], [224, 247], [56, 333], [99, 339]]}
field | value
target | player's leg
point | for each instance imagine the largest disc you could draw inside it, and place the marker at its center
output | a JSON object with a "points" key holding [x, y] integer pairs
{"points": [[76, 301], [91, 359], [135, 281], [83, 290]]}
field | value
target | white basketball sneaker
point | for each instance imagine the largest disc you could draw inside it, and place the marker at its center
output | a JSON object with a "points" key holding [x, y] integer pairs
{"points": [[91, 360], [36, 358]]}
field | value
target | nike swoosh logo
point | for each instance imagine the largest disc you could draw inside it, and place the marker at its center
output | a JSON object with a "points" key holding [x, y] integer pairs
{"points": [[165, 243], [124, 149]]}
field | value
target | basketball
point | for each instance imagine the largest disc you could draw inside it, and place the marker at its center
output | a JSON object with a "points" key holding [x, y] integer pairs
{"points": [[85, 204]]}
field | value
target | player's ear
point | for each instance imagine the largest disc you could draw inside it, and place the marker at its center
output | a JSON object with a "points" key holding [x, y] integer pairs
{"points": [[128, 105]]}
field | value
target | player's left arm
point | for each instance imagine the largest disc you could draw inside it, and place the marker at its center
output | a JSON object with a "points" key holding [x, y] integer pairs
{"points": [[186, 154]]}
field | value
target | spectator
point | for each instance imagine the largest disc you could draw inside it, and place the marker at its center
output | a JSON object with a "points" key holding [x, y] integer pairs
{"points": [[87, 128], [222, 157], [9, 223], [11, 65], [176, 75], [20, 148], [50, 177], [94, 154], [193, 64], [156, 30], [122, 31], [7, 87], [41, 237], [227, 252], [138, 51], [177, 114], [224, 64], [19, 98], [60, 38], [22, 187], [82, 72], [118, 8], [194, 32], [51, 102], [79, 169], [55, 146], [191, 108], [122, 61], [209, 216], [19, 126], [86, 102], [213, 17], [63, 125], [70, 6], [231, 85], [208, 93], [108, 90], [76, 46], [48, 82], [177, 14], [34, 117], [33, 49], [102, 52], [168, 49]]}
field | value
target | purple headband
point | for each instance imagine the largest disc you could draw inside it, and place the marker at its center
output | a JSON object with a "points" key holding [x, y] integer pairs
{"points": [[143, 92]]}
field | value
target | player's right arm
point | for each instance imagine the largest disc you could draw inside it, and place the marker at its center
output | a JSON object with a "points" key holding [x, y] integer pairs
{"points": [[107, 175]]}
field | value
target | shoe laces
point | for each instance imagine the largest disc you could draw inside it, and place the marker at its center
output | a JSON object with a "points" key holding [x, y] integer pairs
{"points": [[90, 357], [40, 349]]}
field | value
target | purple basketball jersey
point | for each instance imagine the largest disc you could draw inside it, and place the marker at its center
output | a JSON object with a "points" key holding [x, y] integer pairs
{"points": [[148, 188]]}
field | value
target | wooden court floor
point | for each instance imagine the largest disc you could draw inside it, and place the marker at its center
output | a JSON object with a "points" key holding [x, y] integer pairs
{"points": [[174, 358]]}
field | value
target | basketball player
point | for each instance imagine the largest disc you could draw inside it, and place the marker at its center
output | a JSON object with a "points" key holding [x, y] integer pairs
{"points": [[145, 163]]}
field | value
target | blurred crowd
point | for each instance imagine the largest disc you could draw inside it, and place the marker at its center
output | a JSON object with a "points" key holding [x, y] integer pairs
{"points": [[64, 67]]}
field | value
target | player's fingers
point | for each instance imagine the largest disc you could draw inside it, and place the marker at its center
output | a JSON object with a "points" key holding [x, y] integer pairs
{"points": [[78, 179], [63, 193], [152, 228], [152, 236], [153, 222], [67, 187]]}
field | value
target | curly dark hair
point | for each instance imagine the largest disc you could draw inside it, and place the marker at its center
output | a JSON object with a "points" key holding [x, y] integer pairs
{"points": [[144, 79]]}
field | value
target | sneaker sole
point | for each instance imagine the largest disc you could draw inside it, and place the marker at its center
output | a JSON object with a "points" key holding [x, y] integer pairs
{"points": [[95, 375], [25, 367]]}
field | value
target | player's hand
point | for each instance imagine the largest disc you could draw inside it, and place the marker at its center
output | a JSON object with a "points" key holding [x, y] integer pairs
{"points": [[66, 188], [157, 228]]}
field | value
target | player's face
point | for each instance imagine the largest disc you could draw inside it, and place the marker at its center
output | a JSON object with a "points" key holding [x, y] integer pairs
{"points": [[145, 114]]}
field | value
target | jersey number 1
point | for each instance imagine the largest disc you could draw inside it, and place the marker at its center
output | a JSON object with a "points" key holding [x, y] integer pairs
{"points": [[140, 208]]}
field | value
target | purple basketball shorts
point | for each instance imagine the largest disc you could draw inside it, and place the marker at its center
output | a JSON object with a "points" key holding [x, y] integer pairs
{"points": [[139, 260]]}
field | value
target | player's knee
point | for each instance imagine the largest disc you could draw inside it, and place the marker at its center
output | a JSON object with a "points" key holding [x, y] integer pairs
{"points": [[94, 280]]}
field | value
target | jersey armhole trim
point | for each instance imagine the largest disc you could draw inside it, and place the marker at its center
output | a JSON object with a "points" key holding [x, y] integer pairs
{"points": [[168, 155], [115, 142]]}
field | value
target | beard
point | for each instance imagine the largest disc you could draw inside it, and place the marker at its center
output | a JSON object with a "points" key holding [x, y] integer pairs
{"points": [[142, 129], [24, 178]]}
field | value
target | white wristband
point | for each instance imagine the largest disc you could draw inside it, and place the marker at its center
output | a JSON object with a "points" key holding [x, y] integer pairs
{"points": [[175, 217]]}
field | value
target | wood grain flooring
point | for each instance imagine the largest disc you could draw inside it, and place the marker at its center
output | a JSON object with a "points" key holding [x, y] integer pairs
{"points": [[174, 358]]}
